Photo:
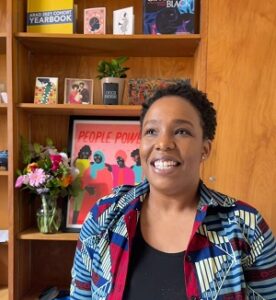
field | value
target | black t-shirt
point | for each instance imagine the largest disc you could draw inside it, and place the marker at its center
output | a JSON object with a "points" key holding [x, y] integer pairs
{"points": [[154, 275]]}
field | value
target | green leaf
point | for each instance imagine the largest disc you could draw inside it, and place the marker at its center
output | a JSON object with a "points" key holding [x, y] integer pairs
{"points": [[37, 148], [49, 142]]}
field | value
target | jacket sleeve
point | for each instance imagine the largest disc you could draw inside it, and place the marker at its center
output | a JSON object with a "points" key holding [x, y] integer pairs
{"points": [[82, 266], [260, 264]]}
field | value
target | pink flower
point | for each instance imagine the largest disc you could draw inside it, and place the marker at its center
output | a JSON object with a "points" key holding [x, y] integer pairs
{"points": [[56, 159], [37, 177], [20, 181]]}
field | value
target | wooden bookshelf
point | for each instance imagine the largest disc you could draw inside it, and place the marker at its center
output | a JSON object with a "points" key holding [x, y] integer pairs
{"points": [[81, 109], [105, 45], [3, 37], [34, 234], [4, 293], [3, 107], [4, 173]]}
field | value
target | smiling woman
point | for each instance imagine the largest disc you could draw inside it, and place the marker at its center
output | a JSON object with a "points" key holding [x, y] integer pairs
{"points": [[170, 237]]}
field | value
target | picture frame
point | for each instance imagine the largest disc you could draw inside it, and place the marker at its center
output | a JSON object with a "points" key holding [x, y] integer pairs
{"points": [[46, 90], [78, 91], [106, 152]]}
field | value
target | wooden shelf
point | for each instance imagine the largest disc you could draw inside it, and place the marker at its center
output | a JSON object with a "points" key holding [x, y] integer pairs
{"points": [[111, 45], [34, 234], [2, 43], [3, 107], [4, 173], [4, 293], [81, 109]]}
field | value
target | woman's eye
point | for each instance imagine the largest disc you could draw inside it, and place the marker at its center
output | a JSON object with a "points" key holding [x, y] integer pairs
{"points": [[150, 131], [182, 131]]}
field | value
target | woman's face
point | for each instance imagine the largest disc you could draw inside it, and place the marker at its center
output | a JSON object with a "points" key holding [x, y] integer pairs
{"points": [[172, 145]]}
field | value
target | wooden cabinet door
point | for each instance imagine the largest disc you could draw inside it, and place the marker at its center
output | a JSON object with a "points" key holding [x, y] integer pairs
{"points": [[241, 77]]}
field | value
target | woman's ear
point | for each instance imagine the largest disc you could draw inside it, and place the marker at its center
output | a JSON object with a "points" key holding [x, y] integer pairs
{"points": [[206, 149]]}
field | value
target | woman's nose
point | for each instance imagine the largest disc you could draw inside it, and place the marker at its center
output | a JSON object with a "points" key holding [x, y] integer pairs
{"points": [[165, 143]]}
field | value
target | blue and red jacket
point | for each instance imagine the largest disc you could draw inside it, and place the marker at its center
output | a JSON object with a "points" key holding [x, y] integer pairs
{"points": [[231, 254]]}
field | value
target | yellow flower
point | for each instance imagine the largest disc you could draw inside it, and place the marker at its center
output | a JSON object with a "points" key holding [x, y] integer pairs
{"points": [[65, 181], [31, 167]]}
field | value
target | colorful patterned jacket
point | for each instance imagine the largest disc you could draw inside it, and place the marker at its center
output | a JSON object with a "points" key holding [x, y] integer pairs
{"points": [[231, 254]]}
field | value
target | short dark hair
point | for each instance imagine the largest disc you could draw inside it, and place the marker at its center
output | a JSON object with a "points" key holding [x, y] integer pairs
{"points": [[195, 97], [135, 152]]}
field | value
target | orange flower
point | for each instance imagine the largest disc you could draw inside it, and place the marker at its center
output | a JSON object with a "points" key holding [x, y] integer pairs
{"points": [[31, 167], [65, 181]]}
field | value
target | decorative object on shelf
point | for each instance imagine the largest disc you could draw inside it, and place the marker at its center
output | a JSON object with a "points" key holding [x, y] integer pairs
{"points": [[106, 152], [169, 17], [78, 91], [4, 97], [140, 89], [4, 160], [123, 21], [3, 93], [50, 16], [112, 74], [46, 90], [48, 175], [94, 20]]}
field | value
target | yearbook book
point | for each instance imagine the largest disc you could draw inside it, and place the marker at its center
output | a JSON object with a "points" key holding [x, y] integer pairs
{"points": [[50, 16], [46, 90], [94, 20], [169, 16], [123, 21]]}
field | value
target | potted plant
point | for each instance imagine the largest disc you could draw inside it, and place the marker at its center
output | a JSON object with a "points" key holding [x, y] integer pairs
{"points": [[112, 74]]}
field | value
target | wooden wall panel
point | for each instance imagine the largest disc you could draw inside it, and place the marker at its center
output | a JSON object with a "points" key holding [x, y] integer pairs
{"points": [[241, 77], [3, 16]]}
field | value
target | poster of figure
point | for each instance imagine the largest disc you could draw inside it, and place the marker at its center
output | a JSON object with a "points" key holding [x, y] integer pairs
{"points": [[106, 152]]}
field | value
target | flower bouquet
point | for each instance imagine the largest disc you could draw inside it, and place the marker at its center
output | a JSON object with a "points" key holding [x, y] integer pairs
{"points": [[49, 175]]}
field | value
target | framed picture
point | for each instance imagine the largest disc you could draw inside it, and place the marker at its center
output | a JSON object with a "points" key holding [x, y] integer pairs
{"points": [[78, 91], [46, 90], [106, 152]]}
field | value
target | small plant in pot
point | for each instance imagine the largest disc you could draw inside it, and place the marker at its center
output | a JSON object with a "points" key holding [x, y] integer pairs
{"points": [[112, 74]]}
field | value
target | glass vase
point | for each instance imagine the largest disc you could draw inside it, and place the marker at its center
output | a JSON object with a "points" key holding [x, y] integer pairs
{"points": [[48, 216]]}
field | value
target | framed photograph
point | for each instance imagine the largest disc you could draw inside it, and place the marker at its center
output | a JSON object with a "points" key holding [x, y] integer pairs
{"points": [[46, 90], [106, 152], [78, 91]]}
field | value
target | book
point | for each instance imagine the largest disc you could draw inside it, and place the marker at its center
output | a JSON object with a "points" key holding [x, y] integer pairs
{"points": [[110, 93], [50, 16], [123, 21], [46, 89], [140, 89], [94, 20], [169, 16]]}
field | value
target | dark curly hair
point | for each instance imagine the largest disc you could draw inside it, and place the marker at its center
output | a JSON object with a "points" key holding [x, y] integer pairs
{"points": [[195, 97]]}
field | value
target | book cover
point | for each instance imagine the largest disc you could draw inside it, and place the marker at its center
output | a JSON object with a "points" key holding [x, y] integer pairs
{"points": [[94, 20], [169, 16], [50, 16], [123, 21], [46, 89], [140, 89], [110, 93]]}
